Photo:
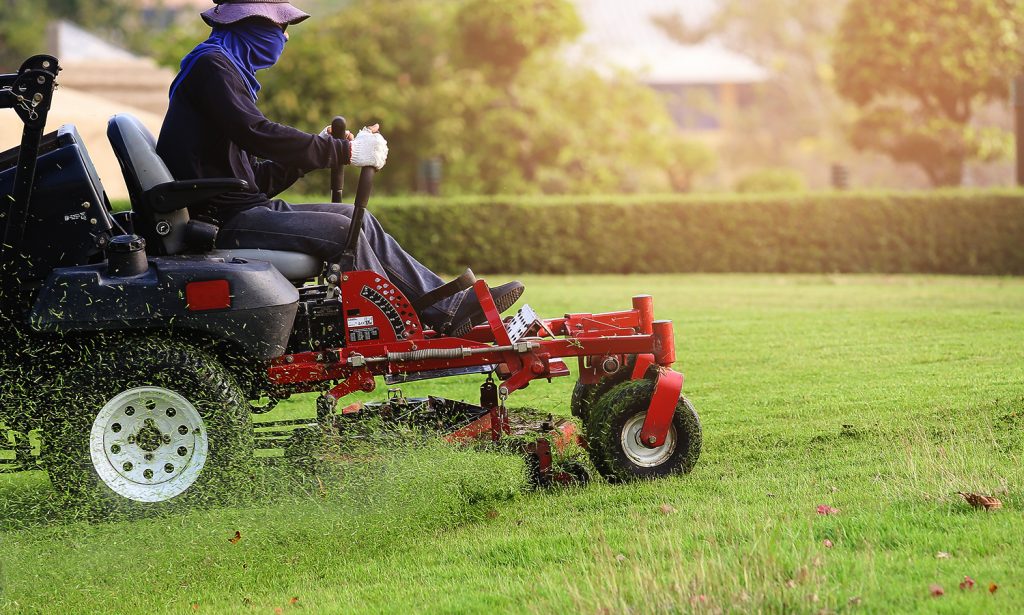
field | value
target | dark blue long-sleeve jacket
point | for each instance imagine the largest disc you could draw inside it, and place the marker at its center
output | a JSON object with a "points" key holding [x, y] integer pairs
{"points": [[213, 129]]}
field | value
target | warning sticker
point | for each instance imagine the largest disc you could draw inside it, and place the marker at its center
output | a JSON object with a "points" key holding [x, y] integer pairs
{"points": [[364, 335], [362, 321]]}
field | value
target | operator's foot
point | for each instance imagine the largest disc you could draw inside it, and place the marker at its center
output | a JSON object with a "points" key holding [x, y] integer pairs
{"points": [[470, 313]]}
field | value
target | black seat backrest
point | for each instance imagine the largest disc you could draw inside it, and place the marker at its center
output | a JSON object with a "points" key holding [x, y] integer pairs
{"points": [[143, 170]]}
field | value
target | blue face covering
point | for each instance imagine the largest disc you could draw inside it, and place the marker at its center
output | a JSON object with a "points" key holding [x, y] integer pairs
{"points": [[251, 45]]}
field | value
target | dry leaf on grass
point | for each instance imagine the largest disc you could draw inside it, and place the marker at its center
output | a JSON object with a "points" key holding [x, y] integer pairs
{"points": [[992, 587], [967, 583], [828, 543], [981, 501], [294, 600], [236, 538], [936, 590], [855, 601], [666, 509], [942, 555], [825, 509]]}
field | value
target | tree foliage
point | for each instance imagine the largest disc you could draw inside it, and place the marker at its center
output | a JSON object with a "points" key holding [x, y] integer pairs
{"points": [[512, 117], [502, 35], [918, 71], [23, 23], [481, 85]]}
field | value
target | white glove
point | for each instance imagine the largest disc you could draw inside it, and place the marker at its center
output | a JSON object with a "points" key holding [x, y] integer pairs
{"points": [[369, 149], [326, 132]]}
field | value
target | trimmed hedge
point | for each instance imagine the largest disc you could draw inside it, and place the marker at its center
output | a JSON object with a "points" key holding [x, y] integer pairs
{"points": [[957, 232], [954, 232]]}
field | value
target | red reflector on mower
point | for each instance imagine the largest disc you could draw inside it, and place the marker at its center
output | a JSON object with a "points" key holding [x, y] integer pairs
{"points": [[205, 296]]}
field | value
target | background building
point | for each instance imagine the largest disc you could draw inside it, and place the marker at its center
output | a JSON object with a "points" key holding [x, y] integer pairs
{"points": [[705, 83]]}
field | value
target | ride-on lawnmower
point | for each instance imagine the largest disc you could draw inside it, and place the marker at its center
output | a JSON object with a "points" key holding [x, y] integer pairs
{"points": [[142, 352]]}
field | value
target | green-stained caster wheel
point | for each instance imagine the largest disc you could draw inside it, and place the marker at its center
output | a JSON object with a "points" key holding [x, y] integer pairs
{"points": [[585, 395], [613, 435]]}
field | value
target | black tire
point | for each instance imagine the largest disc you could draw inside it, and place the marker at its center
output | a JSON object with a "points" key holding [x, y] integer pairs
{"points": [[585, 395], [622, 407], [144, 368]]}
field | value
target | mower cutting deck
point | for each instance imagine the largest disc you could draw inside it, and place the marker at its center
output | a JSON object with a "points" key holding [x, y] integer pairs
{"points": [[166, 343]]}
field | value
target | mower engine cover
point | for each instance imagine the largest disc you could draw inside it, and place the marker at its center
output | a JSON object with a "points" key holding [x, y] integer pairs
{"points": [[69, 220], [249, 304]]}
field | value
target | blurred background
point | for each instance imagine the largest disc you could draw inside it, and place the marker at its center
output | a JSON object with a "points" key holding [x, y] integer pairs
{"points": [[484, 97]]}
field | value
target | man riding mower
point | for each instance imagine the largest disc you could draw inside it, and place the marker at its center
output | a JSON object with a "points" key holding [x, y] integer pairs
{"points": [[140, 343]]}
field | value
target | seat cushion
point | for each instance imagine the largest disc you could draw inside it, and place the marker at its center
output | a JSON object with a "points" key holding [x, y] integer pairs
{"points": [[295, 266]]}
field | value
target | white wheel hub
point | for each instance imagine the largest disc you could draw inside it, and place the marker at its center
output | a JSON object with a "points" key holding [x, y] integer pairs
{"points": [[635, 450], [149, 444]]}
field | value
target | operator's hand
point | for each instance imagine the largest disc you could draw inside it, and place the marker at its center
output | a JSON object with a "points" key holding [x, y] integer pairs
{"points": [[370, 148], [329, 132]]}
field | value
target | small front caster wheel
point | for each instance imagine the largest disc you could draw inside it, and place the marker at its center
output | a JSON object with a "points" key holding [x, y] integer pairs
{"points": [[584, 396], [613, 434]]}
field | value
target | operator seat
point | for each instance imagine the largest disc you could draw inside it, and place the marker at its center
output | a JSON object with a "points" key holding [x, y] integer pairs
{"points": [[160, 205]]}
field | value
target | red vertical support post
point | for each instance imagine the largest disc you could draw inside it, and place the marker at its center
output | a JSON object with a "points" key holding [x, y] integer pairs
{"points": [[644, 305], [483, 295], [665, 350]]}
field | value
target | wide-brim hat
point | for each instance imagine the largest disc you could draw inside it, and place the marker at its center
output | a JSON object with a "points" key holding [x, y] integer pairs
{"points": [[229, 11]]}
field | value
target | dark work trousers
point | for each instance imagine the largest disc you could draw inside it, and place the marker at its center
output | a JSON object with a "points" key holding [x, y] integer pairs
{"points": [[321, 230]]}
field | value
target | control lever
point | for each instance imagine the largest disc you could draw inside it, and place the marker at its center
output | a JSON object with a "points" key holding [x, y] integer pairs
{"points": [[339, 128], [364, 190]]}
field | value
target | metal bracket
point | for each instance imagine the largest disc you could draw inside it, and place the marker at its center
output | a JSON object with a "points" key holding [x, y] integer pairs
{"points": [[662, 409]]}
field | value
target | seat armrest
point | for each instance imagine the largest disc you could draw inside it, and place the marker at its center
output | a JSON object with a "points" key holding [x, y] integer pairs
{"points": [[173, 196]]}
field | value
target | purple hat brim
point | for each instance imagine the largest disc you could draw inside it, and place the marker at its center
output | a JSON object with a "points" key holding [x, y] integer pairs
{"points": [[281, 13]]}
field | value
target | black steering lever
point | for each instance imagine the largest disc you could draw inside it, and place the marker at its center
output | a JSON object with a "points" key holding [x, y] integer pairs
{"points": [[363, 192], [339, 127]]}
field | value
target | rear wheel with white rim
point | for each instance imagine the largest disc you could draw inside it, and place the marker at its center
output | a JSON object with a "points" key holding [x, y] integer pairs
{"points": [[613, 435], [149, 444], [150, 423]]}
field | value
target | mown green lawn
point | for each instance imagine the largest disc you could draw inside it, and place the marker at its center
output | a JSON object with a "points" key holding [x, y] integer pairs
{"points": [[879, 396]]}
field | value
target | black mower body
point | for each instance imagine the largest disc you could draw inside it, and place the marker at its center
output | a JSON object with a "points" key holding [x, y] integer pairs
{"points": [[249, 304], [66, 269], [68, 220]]}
